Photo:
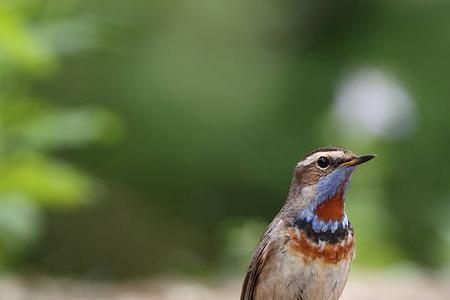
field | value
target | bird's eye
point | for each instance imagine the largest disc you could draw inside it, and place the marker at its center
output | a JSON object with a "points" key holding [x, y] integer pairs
{"points": [[323, 162]]}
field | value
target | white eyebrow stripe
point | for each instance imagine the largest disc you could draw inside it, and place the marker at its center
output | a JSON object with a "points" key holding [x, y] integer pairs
{"points": [[313, 158]]}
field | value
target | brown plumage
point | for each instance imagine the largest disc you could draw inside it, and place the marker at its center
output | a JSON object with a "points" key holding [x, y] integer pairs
{"points": [[306, 251]]}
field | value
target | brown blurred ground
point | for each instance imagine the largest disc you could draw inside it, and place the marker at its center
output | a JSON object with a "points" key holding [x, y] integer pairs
{"points": [[386, 286]]}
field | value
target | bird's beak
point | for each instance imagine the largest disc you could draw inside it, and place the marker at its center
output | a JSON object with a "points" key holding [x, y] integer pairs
{"points": [[357, 161]]}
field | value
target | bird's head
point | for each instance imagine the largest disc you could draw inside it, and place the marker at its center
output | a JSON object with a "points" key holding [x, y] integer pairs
{"points": [[319, 186]]}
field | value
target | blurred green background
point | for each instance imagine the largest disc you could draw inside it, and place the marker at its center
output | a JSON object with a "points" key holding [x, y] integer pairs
{"points": [[144, 138]]}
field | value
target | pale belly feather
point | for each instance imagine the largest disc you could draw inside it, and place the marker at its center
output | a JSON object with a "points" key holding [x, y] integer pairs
{"points": [[290, 274]]}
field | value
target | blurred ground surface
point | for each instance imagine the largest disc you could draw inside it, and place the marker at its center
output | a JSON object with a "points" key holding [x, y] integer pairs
{"points": [[384, 286]]}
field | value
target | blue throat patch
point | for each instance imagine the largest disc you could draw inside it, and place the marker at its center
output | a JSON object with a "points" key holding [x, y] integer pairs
{"points": [[327, 187]]}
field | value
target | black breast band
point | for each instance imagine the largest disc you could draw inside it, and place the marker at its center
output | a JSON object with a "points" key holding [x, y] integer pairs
{"points": [[331, 237]]}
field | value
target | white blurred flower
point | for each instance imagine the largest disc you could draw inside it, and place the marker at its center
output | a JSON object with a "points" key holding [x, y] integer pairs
{"points": [[372, 103]]}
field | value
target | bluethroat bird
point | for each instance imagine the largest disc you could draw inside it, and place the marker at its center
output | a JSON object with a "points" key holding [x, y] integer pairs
{"points": [[306, 251]]}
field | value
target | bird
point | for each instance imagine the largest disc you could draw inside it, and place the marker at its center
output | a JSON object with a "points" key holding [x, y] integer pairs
{"points": [[306, 251]]}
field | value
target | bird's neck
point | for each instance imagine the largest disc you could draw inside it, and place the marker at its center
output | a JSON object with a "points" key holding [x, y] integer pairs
{"points": [[325, 202], [326, 211], [332, 210], [327, 216], [326, 221]]}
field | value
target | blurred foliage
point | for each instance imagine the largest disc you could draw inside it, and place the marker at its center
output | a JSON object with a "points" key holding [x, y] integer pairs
{"points": [[32, 131], [220, 99]]}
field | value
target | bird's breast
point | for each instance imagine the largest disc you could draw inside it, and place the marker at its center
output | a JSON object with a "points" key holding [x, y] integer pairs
{"points": [[301, 268], [307, 249]]}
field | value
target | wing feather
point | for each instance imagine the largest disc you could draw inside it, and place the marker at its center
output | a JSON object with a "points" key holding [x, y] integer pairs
{"points": [[257, 264]]}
